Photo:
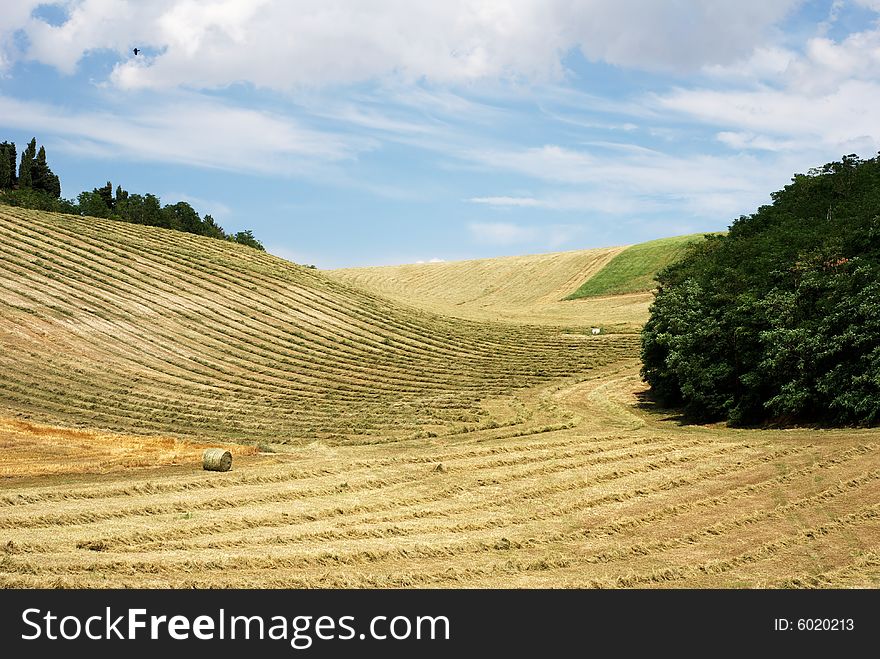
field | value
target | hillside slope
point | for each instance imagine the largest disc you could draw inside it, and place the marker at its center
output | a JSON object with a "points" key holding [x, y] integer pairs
{"points": [[572, 482], [634, 268], [518, 289], [111, 325]]}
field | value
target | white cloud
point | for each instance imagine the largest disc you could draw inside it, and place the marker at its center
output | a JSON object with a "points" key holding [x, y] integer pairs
{"points": [[745, 140], [601, 202], [822, 100], [434, 260], [117, 25], [642, 171], [765, 62], [189, 130], [13, 17], [779, 109], [839, 121], [283, 44], [681, 36], [504, 234], [641, 181], [522, 202]]}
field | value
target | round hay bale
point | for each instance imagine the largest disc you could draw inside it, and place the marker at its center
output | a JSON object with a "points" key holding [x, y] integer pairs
{"points": [[216, 459]]}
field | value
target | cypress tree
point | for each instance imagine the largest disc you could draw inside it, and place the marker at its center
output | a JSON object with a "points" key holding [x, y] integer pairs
{"points": [[42, 178], [106, 193], [40, 171], [5, 171], [28, 158], [8, 161]]}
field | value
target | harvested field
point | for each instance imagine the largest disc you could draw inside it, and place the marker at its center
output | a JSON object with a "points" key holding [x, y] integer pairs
{"points": [[625, 498], [32, 450], [513, 289], [459, 453], [140, 330]]}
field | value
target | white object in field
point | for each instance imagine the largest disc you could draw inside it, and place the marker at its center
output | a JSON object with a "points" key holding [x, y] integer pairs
{"points": [[596, 330], [216, 459]]}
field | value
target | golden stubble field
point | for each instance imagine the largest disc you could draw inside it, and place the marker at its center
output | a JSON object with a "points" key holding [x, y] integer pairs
{"points": [[378, 444], [512, 289]]}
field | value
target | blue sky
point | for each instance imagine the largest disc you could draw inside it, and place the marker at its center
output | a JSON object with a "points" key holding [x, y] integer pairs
{"points": [[348, 133]]}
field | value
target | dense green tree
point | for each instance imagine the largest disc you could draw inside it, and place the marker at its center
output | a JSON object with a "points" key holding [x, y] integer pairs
{"points": [[93, 204], [36, 186], [183, 217], [212, 229], [779, 320], [34, 172], [246, 237], [152, 211], [43, 178], [129, 207], [8, 161], [106, 194], [28, 157]]}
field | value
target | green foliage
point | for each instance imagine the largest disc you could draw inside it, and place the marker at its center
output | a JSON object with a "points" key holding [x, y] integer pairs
{"points": [[635, 268], [137, 209], [8, 158], [93, 204], [106, 194], [28, 157], [37, 187], [779, 320], [37, 200], [212, 229], [42, 178], [246, 237], [181, 216], [33, 173]]}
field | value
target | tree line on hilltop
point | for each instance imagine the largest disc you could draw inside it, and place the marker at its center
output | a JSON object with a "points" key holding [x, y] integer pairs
{"points": [[778, 321], [31, 183]]}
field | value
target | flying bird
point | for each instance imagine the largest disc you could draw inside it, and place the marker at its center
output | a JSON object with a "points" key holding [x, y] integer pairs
{"points": [[136, 51]]}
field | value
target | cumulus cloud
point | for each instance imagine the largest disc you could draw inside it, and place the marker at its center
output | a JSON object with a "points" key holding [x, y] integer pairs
{"points": [[824, 97], [776, 104], [280, 44], [14, 17], [91, 25]]}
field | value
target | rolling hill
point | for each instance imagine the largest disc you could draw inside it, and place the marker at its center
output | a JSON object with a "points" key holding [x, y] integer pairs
{"points": [[137, 329], [515, 289], [376, 444], [633, 269]]}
